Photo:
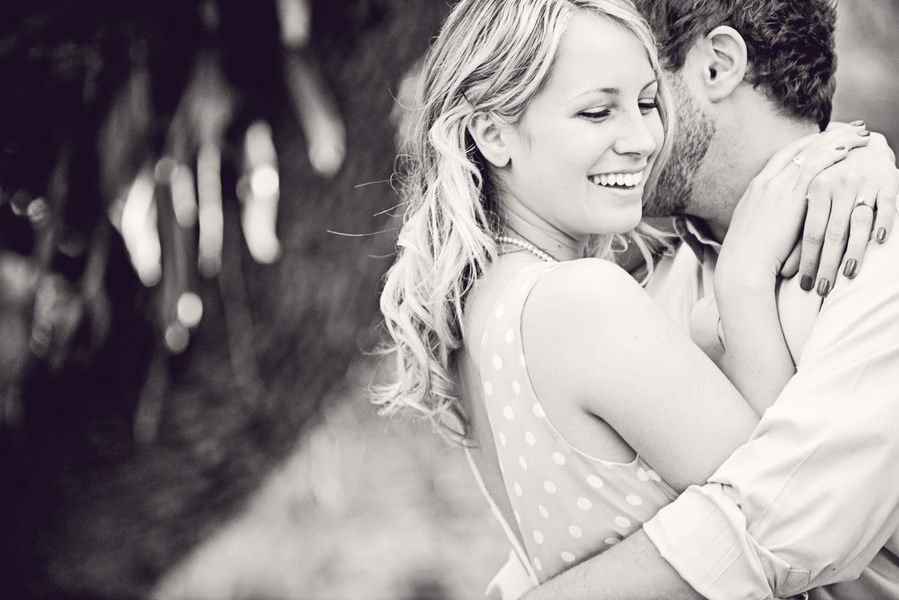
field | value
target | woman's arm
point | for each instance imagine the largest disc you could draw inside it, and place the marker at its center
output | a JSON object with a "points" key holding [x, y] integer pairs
{"points": [[763, 231], [598, 344]]}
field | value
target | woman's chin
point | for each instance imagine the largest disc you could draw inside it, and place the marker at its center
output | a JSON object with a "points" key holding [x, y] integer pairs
{"points": [[627, 221]]}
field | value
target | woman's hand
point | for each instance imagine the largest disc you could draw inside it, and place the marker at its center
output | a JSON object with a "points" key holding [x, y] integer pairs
{"points": [[846, 203], [769, 218]]}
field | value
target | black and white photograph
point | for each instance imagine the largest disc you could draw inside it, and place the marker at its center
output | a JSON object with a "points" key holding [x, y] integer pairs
{"points": [[449, 299]]}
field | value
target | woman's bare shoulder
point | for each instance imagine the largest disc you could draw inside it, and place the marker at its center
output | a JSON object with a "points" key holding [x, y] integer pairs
{"points": [[590, 312], [586, 284]]}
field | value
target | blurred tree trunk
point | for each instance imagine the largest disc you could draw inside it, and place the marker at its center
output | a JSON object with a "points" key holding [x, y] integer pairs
{"points": [[87, 512]]}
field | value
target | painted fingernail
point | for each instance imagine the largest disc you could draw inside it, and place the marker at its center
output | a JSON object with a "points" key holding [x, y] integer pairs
{"points": [[857, 123], [850, 269], [823, 287], [881, 235], [807, 282], [840, 148], [864, 133]]}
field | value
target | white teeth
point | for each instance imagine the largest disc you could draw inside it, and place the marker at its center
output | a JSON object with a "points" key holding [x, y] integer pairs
{"points": [[619, 179]]}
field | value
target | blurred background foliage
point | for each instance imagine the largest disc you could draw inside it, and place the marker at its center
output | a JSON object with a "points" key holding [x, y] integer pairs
{"points": [[867, 78], [182, 365]]}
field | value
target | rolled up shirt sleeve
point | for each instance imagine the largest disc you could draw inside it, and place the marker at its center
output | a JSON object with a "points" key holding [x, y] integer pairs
{"points": [[814, 494]]}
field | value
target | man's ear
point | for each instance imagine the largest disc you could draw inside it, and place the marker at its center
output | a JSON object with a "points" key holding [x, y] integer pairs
{"points": [[722, 57], [487, 134]]}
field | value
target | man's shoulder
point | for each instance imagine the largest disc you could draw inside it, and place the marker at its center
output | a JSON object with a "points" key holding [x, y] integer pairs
{"points": [[869, 301]]}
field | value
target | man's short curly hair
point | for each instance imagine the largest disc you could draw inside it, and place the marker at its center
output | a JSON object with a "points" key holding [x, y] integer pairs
{"points": [[790, 45]]}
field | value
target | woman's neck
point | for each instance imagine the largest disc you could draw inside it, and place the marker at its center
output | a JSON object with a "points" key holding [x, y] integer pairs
{"points": [[554, 243]]}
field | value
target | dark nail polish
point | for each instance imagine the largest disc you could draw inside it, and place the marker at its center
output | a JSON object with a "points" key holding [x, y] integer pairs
{"points": [[858, 123], [881, 234], [850, 269], [865, 133], [823, 287], [840, 148], [807, 282]]}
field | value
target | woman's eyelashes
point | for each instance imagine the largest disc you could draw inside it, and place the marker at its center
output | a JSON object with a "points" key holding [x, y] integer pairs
{"points": [[646, 106], [595, 115]]}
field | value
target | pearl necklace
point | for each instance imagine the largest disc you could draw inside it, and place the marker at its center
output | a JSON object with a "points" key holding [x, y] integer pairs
{"points": [[527, 246]]}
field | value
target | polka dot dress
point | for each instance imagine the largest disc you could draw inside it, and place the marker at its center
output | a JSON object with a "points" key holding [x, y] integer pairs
{"points": [[567, 505]]}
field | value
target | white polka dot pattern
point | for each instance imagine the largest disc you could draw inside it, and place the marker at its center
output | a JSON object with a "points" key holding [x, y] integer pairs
{"points": [[566, 504]]}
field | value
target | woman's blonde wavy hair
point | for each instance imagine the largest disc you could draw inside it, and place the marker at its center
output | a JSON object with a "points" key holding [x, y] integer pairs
{"points": [[492, 56]]}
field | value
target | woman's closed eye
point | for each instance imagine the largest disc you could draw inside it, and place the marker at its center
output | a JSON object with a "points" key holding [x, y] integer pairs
{"points": [[646, 107], [596, 114]]}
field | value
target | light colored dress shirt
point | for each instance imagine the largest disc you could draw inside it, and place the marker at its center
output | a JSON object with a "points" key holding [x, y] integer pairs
{"points": [[812, 498]]}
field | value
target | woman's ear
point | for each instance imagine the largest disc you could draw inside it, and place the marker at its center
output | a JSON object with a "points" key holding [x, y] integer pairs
{"points": [[488, 137], [721, 59]]}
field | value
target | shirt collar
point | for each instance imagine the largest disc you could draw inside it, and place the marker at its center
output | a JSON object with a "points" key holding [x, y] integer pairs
{"points": [[696, 234]]}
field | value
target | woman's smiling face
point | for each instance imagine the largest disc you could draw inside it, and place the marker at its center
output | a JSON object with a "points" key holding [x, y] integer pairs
{"points": [[581, 155]]}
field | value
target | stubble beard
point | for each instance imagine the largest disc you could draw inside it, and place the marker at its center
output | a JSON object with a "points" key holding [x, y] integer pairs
{"points": [[695, 128]]}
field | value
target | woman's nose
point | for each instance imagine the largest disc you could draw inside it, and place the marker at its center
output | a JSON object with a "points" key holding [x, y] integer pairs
{"points": [[637, 136]]}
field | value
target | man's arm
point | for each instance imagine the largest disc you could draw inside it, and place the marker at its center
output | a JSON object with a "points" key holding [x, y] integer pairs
{"points": [[632, 569]]}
